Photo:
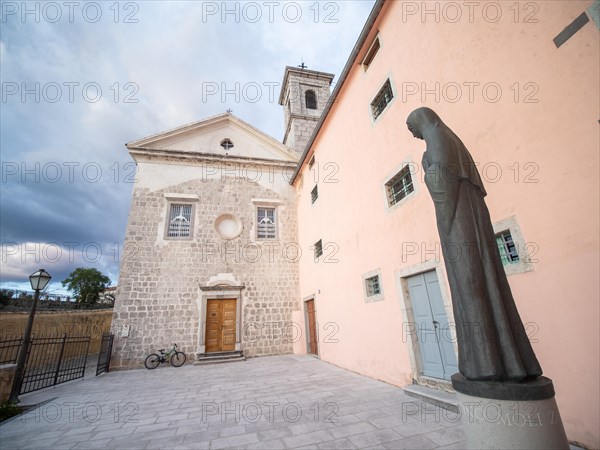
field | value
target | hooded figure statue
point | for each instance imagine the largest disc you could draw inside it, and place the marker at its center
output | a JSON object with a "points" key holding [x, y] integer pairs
{"points": [[492, 343]]}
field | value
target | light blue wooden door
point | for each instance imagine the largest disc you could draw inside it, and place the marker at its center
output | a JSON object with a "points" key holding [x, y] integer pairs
{"points": [[445, 338], [433, 333]]}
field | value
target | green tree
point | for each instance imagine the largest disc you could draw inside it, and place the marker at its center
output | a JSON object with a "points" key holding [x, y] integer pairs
{"points": [[6, 296], [86, 284]]}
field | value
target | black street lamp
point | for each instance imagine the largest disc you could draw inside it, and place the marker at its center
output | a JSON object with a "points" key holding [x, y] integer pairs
{"points": [[38, 281]]}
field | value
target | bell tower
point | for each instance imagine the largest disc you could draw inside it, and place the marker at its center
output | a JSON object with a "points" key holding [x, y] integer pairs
{"points": [[304, 94]]}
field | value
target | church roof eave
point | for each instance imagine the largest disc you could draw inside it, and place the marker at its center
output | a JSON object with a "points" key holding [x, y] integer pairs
{"points": [[145, 142], [152, 153]]}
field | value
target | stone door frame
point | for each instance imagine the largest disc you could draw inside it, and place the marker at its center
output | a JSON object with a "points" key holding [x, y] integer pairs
{"points": [[221, 291]]}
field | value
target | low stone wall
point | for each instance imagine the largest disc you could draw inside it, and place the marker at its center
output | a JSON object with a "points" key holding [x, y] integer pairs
{"points": [[7, 375], [57, 323]]}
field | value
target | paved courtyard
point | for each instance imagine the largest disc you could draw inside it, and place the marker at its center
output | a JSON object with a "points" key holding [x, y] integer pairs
{"points": [[275, 402]]}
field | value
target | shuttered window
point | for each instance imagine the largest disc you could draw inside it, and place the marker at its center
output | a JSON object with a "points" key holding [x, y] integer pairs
{"points": [[371, 54], [314, 194], [318, 248]]}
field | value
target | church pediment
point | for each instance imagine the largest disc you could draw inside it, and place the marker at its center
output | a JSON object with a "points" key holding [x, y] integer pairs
{"points": [[224, 136]]}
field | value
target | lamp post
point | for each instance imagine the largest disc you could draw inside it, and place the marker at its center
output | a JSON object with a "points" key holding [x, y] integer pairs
{"points": [[38, 281]]}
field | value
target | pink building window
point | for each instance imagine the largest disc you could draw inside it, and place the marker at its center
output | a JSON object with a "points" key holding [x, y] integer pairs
{"points": [[399, 186], [382, 99], [318, 249], [372, 286], [508, 250]]}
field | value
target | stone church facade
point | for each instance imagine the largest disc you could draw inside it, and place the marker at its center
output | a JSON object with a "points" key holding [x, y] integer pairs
{"points": [[211, 242]]}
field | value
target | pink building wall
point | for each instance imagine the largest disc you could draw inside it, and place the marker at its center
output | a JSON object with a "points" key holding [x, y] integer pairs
{"points": [[554, 195]]}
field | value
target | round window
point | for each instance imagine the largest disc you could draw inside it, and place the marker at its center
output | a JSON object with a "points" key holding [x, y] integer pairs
{"points": [[228, 226]]}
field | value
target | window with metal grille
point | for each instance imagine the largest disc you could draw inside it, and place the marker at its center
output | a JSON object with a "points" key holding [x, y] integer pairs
{"points": [[382, 99], [509, 253], [180, 221], [314, 194], [372, 286], [318, 248], [399, 186], [267, 228], [311, 99]]}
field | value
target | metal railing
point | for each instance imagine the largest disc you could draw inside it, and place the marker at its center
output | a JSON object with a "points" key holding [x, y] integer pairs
{"points": [[49, 361], [54, 360], [9, 350], [105, 352]]}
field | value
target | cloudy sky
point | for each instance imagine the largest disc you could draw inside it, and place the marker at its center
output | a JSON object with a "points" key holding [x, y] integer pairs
{"points": [[82, 79]]}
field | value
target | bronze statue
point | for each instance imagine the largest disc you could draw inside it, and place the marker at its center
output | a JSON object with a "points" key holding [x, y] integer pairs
{"points": [[492, 343]]}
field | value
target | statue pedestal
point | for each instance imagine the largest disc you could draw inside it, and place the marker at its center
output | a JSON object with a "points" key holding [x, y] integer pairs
{"points": [[510, 415]]}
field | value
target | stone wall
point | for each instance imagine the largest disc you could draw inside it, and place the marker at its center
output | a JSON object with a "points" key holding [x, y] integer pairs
{"points": [[7, 377], [302, 129], [159, 295], [56, 324]]}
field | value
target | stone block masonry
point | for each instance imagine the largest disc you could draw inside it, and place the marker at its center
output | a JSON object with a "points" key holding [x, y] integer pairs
{"points": [[159, 294]]}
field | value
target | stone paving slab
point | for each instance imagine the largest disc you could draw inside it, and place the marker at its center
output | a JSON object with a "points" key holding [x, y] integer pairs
{"points": [[280, 402]]}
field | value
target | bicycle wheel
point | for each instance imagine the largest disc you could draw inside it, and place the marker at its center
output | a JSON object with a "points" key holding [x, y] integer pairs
{"points": [[152, 361], [178, 359]]}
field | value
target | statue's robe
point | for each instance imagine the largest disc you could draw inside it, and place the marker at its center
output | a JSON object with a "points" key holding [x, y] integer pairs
{"points": [[492, 343]]}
